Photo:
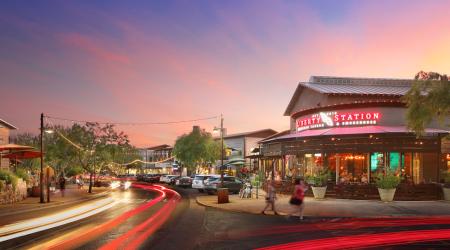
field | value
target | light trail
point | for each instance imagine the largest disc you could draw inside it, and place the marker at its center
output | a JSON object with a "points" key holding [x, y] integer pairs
{"points": [[107, 226], [352, 224], [27, 227], [138, 233], [136, 236], [366, 240]]}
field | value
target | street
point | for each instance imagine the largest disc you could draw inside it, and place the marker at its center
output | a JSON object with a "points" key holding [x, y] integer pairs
{"points": [[138, 220]]}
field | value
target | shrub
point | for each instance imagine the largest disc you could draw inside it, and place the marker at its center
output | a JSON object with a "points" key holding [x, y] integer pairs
{"points": [[22, 173], [318, 180], [446, 178], [9, 178], [388, 181]]}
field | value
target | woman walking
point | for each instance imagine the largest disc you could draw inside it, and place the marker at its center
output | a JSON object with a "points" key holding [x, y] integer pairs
{"points": [[298, 196], [270, 198]]}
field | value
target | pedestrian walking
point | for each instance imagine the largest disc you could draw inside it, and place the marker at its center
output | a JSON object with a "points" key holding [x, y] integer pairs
{"points": [[270, 198], [80, 182], [298, 195], [62, 185]]}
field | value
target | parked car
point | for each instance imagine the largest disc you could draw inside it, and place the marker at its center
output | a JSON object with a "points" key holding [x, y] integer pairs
{"points": [[166, 178], [173, 179], [233, 184], [198, 182], [184, 182]]}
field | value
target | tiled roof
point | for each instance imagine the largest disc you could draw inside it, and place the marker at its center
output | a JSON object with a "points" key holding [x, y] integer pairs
{"points": [[352, 86], [327, 88]]}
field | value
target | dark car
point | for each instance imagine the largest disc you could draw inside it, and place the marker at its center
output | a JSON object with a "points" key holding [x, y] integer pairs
{"points": [[233, 184], [152, 178], [173, 179], [184, 182]]}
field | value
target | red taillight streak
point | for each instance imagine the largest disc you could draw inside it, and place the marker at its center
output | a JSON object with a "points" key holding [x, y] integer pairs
{"points": [[367, 240], [108, 226], [136, 236], [347, 225]]}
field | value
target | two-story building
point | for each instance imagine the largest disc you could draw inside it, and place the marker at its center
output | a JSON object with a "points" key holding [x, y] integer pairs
{"points": [[5, 131]]}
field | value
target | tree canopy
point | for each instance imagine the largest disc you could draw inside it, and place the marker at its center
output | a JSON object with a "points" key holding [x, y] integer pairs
{"points": [[428, 99], [90, 147], [197, 147]]}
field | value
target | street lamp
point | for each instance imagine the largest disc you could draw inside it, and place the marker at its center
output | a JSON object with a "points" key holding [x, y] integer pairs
{"points": [[41, 176], [222, 149]]}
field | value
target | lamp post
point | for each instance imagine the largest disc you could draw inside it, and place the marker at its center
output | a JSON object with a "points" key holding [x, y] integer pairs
{"points": [[41, 177], [221, 146]]}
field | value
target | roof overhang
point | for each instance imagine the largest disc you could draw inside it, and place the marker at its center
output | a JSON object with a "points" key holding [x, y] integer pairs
{"points": [[8, 125]]}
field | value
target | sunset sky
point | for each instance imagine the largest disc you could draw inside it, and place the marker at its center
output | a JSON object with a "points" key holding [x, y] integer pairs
{"points": [[156, 61]]}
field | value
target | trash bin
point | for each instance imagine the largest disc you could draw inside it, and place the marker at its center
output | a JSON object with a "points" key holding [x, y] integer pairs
{"points": [[222, 195]]}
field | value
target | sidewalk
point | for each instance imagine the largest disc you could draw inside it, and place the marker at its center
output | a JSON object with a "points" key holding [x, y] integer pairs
{"points": [[333, 207], [31, 208]]}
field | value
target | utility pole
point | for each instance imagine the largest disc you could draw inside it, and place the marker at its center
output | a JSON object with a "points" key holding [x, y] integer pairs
{"points": [[41, 177], [221, 146]]}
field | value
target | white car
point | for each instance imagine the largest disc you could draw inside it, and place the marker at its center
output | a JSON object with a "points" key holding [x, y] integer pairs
{"points": [[166, 178], [199, 181]]}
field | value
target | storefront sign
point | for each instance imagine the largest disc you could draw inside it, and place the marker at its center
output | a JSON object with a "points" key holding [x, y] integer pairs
{"points": [[336, 119]]}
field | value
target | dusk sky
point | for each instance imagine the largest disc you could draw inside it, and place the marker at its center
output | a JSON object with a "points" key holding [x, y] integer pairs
{"points": [[156, 61]]}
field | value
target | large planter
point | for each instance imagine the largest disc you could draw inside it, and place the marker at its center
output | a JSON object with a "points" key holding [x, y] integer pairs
{"points": [[446, 192], [386, 194], [222, 195], [319, 192]]}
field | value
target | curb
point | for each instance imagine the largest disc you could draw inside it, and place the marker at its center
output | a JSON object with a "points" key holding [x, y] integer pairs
{"points": [[62, 203], [232, 210]]}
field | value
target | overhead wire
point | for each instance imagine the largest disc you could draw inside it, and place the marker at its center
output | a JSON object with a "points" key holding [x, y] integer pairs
{"points": [[133, 123], [82, 149]]}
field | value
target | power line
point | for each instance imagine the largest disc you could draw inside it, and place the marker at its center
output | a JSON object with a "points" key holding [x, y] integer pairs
{"points": [[132, 123]]}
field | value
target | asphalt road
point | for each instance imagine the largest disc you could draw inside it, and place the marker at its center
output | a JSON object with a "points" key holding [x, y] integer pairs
{"points": [[191, 226]]}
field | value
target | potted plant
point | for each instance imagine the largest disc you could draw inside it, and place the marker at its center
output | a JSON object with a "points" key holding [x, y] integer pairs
{"points": [[319, 184], [387, 184], [446, 185]]}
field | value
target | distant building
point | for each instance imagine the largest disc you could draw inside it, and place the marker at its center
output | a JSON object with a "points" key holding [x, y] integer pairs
{"points": [[240, 145], [5, 129], [153, 155]]}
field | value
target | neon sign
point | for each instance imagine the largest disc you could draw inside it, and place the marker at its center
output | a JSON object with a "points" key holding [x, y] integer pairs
{"points": [[336, 119]]}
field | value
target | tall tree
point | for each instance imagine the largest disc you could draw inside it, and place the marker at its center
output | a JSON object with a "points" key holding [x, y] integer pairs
{"points": [[428, 99], [197, 147]]}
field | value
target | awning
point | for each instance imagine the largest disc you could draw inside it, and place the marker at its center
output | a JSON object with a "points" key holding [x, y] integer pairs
{"points": [[353, 131], [23, 155]]}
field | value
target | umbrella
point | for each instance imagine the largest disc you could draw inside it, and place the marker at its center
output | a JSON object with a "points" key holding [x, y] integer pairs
{"points": [[23, 155], [14, 147], [10, 147]]}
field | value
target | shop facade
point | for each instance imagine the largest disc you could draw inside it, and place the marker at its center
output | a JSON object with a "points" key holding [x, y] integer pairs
{"points": [[355, 129]]}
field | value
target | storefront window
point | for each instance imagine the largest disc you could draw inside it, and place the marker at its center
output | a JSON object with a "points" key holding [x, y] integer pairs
{"points": [[376, 162], [394, 161], [314, 163]]}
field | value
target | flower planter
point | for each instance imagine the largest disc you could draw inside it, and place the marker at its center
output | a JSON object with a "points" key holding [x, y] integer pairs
{"points": [[446, 192], [386, 194], [319, 192]]}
